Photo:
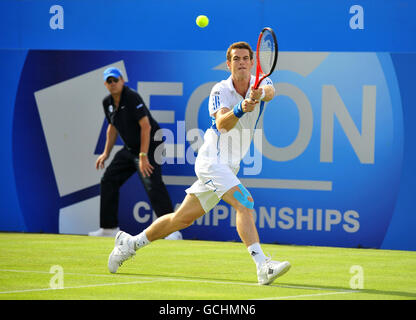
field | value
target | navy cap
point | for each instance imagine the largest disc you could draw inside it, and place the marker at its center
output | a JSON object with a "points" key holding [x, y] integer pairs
{"points": [[111, 72]]}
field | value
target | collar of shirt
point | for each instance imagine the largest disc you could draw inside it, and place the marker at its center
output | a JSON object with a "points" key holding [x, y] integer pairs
{"points": [[230, 85], [121, 102]]}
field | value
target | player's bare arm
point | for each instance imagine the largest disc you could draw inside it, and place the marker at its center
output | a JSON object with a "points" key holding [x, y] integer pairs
{"points": [[225, 118], [109, 144]]}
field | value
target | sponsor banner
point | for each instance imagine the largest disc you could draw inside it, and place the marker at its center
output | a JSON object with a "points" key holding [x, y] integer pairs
{"points": [[324, 169]]}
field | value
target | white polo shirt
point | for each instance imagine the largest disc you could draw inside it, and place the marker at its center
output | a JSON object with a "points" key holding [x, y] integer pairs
{"points": [[219, 157], [230, 147]]}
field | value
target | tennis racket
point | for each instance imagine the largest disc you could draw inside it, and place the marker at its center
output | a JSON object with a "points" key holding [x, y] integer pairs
{"points": [[266, 55]]}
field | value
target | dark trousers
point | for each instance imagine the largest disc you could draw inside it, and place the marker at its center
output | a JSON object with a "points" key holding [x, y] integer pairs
{"points": [[123, 166]]}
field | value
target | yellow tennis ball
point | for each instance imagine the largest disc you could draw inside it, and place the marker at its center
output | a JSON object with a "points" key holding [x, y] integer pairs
{"points": [[202, 21]]}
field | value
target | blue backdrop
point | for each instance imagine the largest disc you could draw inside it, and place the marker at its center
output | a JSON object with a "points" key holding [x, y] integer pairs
{"points": [[338, 165]]}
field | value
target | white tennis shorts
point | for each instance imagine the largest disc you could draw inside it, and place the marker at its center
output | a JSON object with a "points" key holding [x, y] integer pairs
{"points": [[214, 179]]}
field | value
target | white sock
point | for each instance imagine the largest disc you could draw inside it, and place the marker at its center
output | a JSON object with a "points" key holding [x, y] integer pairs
{"points": [[257, 254], [140, 240]]}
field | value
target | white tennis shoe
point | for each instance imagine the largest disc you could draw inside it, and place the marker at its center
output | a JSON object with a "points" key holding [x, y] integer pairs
{"points": [[270, 270], [121, 252]]}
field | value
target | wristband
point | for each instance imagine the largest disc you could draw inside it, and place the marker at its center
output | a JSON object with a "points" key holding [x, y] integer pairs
{"points": [[142, 154], [238, 110]]}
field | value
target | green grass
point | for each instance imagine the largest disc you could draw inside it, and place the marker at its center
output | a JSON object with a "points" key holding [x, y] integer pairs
{"points": [[188, 270]]}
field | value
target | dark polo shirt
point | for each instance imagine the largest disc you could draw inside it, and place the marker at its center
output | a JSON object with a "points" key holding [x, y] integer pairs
{"points": [[126, 118]]}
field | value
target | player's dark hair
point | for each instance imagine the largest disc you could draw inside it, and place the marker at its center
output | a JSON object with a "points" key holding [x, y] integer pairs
{"points": [[239, 45]]}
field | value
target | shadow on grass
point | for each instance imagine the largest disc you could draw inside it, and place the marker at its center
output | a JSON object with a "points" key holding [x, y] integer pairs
{"points": [[187, 278], [335, 288], [276, 284]]}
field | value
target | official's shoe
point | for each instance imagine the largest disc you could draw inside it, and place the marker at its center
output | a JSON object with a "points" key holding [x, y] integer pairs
{"points": [[174, 236], [121, 252], [270, 270], [103, 232]]}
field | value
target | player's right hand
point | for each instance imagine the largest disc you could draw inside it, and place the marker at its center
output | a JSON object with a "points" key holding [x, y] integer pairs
{"points": [[99, 164]]}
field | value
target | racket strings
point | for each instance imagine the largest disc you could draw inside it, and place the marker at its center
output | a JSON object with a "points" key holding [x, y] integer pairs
{"points": [[267, 52]]}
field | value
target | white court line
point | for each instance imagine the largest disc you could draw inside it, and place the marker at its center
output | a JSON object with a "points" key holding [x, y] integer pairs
{"points": [[77, 274], [78, 287], [335, 291], [313, 288], [149, 279], [140, 277], [153, 279], [307, 295]]}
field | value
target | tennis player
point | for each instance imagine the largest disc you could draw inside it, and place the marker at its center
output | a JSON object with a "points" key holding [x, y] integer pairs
{"points": [[234, 106]]}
